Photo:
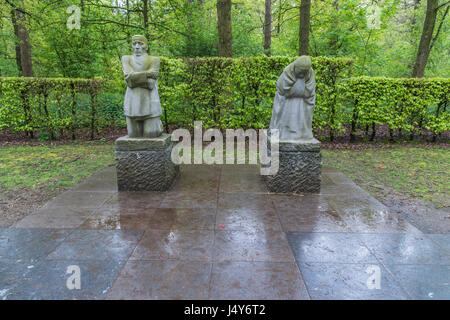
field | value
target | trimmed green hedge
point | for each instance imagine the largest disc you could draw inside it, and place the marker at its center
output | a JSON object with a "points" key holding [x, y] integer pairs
{"points": [[238, 93], [226, 93], [49, 105], [405, 104]]}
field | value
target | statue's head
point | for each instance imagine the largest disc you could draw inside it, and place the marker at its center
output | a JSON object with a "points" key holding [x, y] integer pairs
{"points": [[139, 44], [302, 66]]}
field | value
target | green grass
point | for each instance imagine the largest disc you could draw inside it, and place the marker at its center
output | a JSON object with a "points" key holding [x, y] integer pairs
{"points": [[50, 167], [419, 171]]}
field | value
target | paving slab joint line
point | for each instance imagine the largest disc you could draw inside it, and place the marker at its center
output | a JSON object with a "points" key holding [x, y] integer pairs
{"points": [[123, 266], [292, 250], [214, 232], [380, 262], [427, 235], [72, 230]]}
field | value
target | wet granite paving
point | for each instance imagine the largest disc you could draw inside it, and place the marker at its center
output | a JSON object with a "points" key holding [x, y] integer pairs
{"points": [[218, 234]]}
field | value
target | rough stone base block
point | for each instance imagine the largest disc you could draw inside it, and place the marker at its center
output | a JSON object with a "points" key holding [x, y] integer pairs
{"points": [[300, 168], [145, 164]]}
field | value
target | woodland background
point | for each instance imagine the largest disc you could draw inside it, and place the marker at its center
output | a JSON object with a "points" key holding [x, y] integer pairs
{"points": [[378, 63], [35, 39]]}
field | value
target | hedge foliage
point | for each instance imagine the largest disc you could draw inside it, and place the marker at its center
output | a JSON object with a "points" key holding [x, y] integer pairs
{"points": [[49, 105], [226, 93], [405, 104], [238, 93]]}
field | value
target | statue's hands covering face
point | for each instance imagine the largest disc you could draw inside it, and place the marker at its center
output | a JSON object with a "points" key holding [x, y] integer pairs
{"points": [[300, 73]]}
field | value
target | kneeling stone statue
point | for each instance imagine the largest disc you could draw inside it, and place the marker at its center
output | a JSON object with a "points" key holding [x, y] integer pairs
{"points": [[294, 101], [300, 160], [143, 158]]}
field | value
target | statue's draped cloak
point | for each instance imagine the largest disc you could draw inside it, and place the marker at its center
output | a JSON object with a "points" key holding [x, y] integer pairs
{"points": [[140, 99], [293, 106]]}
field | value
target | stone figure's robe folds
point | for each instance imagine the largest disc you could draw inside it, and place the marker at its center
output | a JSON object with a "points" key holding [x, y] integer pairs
{"points": [[141, 76], [293, 106]]}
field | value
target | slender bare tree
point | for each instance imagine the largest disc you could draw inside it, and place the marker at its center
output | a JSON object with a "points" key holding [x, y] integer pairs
{"points": [[224, 28], [23, 48], [268, 28], [305, 18], [427, 40]]}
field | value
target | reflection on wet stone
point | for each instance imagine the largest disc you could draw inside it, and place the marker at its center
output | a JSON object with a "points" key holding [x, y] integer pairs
{"points": [[135, 200], [220, 235], [97, 245], [193, 245], [405, 249], [171, 279], [310, 213], [329, 247], [29, 243], [48, 280], [423, 282], [264, 245], [257, 280], [326, 281]]}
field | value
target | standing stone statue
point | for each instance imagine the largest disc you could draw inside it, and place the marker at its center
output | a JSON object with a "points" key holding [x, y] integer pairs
{"points": [[293, 106], [142, 107]]}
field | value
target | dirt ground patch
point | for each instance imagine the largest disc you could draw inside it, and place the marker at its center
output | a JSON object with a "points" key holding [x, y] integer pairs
{"points": [[31, 175], [14, 207], [422, 214]]}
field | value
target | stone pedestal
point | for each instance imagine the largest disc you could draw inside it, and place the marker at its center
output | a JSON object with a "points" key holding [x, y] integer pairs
{"points": [[145, 164], [300, 167]]}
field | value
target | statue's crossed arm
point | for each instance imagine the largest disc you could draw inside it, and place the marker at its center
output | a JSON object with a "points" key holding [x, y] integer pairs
{"points": [[144, 79]]}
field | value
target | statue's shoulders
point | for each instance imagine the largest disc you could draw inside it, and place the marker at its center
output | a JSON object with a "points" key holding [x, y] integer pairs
{"points": [[288, 67], [126, 58], [154, 59]]}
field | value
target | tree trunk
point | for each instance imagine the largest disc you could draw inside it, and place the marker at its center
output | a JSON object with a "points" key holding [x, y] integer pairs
{"points": [[23, 52], [374, 132], [279, 17], [305, 17], [268, 28], [425, 41], [354, 120], [93, 113], [47, 115], [224, 28], [16, 32], [73, 109], [145, 17]]}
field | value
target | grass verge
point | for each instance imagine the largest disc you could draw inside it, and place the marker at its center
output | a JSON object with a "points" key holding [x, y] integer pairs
{"points": [[32, 175], [32, 167], [416, 171]]}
